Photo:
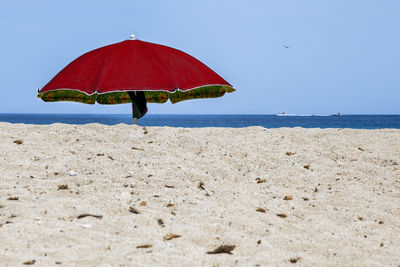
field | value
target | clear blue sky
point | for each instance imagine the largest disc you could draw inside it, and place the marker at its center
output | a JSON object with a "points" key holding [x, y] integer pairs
{"points": [[344, 55]]}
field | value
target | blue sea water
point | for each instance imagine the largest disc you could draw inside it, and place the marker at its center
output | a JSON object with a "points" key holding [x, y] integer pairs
{"points": [[193, 121]]}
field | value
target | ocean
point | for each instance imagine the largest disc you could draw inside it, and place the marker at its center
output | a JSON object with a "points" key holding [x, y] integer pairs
{"points": [[194, 121]]}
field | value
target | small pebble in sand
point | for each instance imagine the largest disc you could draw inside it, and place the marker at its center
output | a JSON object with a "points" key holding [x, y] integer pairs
{"points": [[361, 149], [19, 142], [72, 173], [380, 222], [170, 205], [13, 198], [289, 153], [307, 166], [260, 181], [260, 210], [161, 222], [306, 199], [294, 260], [282, 215], [288, 197], [62, 187], [143, 203]]}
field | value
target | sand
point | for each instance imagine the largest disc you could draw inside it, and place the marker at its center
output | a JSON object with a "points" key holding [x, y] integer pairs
{"points": [[288, 196]]}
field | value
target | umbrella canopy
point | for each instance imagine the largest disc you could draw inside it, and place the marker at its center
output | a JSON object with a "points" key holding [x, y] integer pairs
{"points": [[115, 73]]}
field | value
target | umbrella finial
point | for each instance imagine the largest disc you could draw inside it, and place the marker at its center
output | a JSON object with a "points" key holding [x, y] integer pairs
{"points": [[132, 37]]}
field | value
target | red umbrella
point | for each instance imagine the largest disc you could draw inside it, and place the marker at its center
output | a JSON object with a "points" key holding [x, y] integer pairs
{"points": [[134, 71]]}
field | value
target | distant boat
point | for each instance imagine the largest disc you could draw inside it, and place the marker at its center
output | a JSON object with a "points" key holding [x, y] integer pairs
{"points": [[337, 114]]}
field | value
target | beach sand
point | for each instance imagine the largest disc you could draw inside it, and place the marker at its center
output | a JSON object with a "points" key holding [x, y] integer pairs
{"points": [[288, 196]]}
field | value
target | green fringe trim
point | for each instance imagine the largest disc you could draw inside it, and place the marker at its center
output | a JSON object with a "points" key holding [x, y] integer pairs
{"points": [[211, 91]]}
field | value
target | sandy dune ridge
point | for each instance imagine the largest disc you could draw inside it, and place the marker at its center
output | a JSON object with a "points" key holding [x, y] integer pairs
{"points": [[167, 196]]}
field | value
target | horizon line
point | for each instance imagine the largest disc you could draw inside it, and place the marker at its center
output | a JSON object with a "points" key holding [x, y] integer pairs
{"points": [[228, 114]]}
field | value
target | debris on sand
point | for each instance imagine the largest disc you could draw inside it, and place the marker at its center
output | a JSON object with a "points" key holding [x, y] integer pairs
{"points": [[222, 249], [201, 185], [260, 210], [282, 215], [288, 197], [171, 236], [145, 246], [19, 142], [90, 215], [31, 262], [133, 210]]}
